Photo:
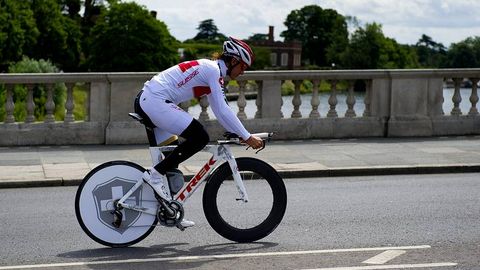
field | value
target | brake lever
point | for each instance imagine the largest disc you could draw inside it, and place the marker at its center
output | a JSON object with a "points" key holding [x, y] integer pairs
{"points": [[263, 147]]}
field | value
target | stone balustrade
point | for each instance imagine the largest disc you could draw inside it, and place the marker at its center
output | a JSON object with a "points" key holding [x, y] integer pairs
{"points": [[397, 103]]}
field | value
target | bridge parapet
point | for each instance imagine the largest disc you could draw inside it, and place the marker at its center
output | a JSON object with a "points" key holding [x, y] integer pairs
{"points": [[392, 103]]}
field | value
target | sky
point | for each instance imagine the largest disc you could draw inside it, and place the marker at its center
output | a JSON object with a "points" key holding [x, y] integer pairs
{"points": [[445, 21]]}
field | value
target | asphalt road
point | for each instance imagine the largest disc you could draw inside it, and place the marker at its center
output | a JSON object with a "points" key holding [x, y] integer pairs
{"points": [[382, 222]]}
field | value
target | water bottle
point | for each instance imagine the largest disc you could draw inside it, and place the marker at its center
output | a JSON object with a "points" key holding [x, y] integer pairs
{"points": [[175, 180]]}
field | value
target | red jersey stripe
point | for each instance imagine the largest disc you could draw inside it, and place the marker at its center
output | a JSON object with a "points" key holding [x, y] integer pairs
{"points": [[186, 65], [199, 91]]}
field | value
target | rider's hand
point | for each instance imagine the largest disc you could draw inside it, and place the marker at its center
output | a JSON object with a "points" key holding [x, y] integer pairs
{"points": [[254, 142]]}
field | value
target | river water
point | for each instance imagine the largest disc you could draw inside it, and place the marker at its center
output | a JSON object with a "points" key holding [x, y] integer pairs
{"points": [[341, 108]]}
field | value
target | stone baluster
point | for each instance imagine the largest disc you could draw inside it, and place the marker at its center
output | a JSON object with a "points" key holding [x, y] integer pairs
{"points": [[296, 100], [281, 99], [241, 101], [350, 101], [457, 98], [69, 105], [367, 101], [50, 105], [204, 106], [332, 100], [10, 105], [474, 97], [30, 104], [258, 101], [315, 100]]}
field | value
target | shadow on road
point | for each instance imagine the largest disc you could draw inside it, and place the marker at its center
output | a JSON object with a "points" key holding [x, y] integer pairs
{"points": [[164, 251]]}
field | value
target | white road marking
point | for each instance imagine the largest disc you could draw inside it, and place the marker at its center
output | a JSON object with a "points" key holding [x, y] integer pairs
{"points": [[392, 266], [385, 256], [220, 256]]}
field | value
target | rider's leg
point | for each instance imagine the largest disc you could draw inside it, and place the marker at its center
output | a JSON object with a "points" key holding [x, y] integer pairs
{"points": [[169, 118], [195, 140]]}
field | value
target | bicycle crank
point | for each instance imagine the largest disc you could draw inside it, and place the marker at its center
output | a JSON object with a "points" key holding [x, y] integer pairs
{"points": [[170, 213]]}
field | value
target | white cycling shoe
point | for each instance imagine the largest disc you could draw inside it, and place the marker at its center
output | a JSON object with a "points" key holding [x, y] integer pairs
{"points": [[158, 182]]}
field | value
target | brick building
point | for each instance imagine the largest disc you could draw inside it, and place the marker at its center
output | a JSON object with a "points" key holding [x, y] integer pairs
{"points": [[284, 55]]}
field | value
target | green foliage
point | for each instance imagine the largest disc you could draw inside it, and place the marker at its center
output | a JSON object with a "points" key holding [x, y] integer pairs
{"points": [[288, 88], [115, 35], [18, 32], [127, 38], [370, 49], [80, 93], [464, 54], [430, 53], [323, 33], [262, 58], [194, 51]]}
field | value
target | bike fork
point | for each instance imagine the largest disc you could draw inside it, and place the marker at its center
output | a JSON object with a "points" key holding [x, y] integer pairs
{"points": [[237, 179]]}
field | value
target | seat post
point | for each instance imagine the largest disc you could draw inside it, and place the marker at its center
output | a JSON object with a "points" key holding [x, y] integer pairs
{"points": [[152, 141]]}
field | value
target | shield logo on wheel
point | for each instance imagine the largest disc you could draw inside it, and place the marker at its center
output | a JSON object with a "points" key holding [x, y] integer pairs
{"points": [[106, 193]]}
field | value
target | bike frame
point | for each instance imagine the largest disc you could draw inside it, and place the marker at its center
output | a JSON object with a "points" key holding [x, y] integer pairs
{"points": [[220, 152]]}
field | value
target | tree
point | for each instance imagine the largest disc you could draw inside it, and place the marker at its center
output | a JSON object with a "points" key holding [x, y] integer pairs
{"points": [[71, 7], [430, 53], [127, 38], [370, 49], [464, 54], [208, 33], [59, 39], [321, 31], [18, 31], [262, 58]]}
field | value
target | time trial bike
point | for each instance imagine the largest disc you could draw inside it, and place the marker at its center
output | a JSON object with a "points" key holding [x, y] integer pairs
{"points": [[116, 208]]}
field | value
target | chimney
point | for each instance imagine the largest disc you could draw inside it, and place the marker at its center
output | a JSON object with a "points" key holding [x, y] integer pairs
{"points": [[270, 33], [153, 13]]}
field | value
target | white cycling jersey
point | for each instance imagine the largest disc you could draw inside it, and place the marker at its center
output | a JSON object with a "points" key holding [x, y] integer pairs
{"points": [[195, 79]]}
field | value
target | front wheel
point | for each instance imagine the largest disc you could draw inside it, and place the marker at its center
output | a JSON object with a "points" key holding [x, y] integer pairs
{"points": [[239, 221], [95, 200]]}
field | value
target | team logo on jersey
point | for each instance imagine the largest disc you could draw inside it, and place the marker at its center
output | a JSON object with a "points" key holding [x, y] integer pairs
{"points": [[188, 78]]}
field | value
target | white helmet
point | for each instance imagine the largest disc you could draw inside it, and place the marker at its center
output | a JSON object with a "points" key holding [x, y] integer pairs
{"points": [[238, 49]]}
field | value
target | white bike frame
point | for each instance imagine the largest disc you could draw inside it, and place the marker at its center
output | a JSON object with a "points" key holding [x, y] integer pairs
{"points": [[220, 152]]}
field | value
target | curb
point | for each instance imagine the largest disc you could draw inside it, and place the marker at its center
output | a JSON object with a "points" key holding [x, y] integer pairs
{"points": [[353, 171]]}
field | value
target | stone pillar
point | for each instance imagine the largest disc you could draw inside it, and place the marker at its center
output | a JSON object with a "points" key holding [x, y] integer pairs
{"points": [[272, 99], [99, 103], [410, 108]]}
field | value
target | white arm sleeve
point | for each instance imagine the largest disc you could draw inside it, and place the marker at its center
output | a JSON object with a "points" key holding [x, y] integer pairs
{"points": [[223, 112], [225, 115]]}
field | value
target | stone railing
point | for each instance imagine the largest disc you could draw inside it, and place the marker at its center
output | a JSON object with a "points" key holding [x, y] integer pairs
{"points": [[395, 103]]}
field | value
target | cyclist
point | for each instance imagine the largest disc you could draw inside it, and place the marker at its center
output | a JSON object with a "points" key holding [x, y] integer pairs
{"points": [[180, 83]]}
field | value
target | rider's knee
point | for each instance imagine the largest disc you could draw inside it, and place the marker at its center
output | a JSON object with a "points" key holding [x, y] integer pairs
{"points": [[195, 132], [202, 136]]}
